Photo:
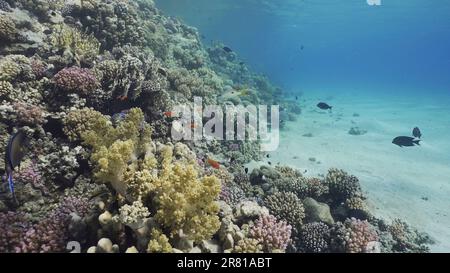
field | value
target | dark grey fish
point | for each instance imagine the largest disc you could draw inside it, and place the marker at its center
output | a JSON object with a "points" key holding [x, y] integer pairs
{"points": [[246, 170], [405, 141], [227, 49], [324, 106], [15, 151], [417, 133]]}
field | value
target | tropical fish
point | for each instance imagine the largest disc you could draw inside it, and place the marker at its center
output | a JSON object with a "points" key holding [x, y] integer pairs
{"points": [[405, 141], [417, 133], [169, 114], [15, 151], [246, 170], [122, 97], [227, 49], [118, 117], [193, 125], [162, 71], [213, 163], [324, 106]]}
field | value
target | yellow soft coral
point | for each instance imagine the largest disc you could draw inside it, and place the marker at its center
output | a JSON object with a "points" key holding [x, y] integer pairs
{"points": [[184, 201], [125, 157], [159, 243], [116, 149]]}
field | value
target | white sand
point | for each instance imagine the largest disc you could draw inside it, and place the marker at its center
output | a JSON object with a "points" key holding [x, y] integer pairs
{"points": [[395, 179]]}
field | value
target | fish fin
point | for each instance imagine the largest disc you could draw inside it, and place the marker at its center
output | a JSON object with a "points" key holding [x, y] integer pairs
{"points": [[11, 186]]}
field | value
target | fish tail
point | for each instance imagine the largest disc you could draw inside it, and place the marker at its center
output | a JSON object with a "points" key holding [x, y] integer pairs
{"points": [[11, 186], [417, 142]]}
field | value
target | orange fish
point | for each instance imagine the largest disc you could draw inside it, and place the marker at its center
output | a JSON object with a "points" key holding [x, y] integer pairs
{"points": [[168, 114], [122, 97], [213, 163]]}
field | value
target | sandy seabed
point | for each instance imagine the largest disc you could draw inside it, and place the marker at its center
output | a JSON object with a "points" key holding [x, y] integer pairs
{"points": [[411, 183]]}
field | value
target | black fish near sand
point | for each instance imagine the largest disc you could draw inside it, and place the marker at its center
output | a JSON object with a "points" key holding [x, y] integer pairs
{"points": [[227, 49], [15, 151], [417, 133], [405, 141], [324, 106]]}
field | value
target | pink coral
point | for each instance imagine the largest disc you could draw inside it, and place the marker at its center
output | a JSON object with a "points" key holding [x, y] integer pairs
{"points": [[272, 234], [75, 79], [51, 234], [13, 227], [354, 235], [31, 174], [17, 234], [29, 114]]}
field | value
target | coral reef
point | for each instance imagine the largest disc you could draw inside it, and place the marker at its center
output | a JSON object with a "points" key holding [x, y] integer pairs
{"points": [[353, 236], [92, 83]]}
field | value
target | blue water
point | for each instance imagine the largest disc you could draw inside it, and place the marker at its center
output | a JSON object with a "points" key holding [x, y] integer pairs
{"points": [[400, 46]]}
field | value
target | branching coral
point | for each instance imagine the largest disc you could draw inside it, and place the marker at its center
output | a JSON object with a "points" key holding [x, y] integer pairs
{"points": [[6, 89], [353, 236], [75, 79], [342, 185], [274, 235], [81, 48], [286, 206], [15, 67], [248, 245], [79, 121], [408, 239], [29, 114], [8, 29], [132, 73], [48, 235], [314, 237]]}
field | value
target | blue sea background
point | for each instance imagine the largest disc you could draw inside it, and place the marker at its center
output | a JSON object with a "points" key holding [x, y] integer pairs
{"points": [[385, 69], [400, 46]]}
